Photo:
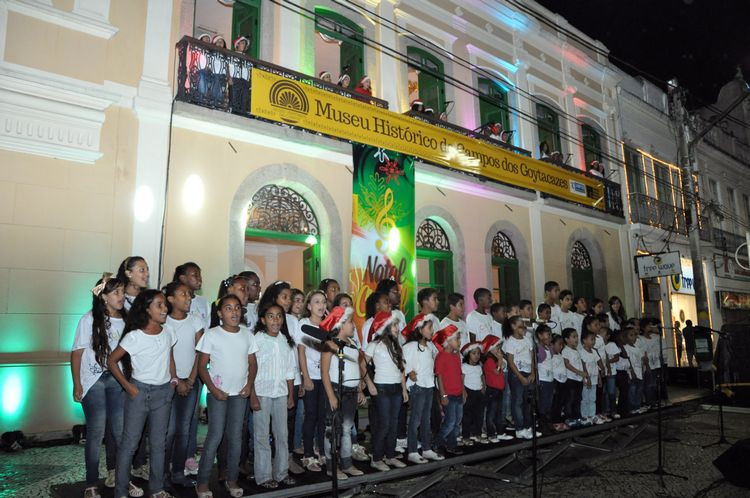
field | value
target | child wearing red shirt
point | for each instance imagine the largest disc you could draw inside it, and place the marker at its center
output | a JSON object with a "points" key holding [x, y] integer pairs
{"points": [[495, 381], [450, 387]]}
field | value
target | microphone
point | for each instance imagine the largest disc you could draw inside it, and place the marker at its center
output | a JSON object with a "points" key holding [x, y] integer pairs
{"points": [[321, 335]]}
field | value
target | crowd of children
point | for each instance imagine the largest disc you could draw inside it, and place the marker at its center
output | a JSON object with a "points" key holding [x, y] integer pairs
{"points": [[141, 358]]}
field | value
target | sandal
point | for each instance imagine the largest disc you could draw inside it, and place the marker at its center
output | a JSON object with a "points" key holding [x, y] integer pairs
{"points": [[269, 485], [161, 494], [234, 492], [203, 494], [91, 492], [134, 491]]}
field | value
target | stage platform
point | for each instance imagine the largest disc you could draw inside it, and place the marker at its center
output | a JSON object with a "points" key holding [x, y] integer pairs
{"points": [[511, 457]]}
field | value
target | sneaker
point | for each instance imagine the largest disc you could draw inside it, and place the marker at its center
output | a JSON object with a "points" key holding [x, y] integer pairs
{"points": [[311, 464], [339, 475], [504, 437], [416, 458], [538, 434], [586, 422], [91, 492], [459, 441], [134, 491], [394, 462], [294, 467], [109, 482], [381, 466], [400, 450], [474, 438], [141, 472], [522, 434], [484, 440], [468, 442], [352, 471], [359, 453], [401, 443], [191, 466], [616, 416], [431, 455], [599, 420]]}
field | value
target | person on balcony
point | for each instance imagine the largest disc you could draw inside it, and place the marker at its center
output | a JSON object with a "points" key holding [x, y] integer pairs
{"points": [[219, 69], [240, 82], [417, 106], [199, 65], [364, 86], [326, 76], [344, 81], [596, 168], [544, 153]]}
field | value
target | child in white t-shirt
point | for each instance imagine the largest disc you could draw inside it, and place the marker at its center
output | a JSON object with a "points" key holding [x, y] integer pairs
{"points": [[230, 349], [591, 365], [521, 374], [455, 317], [637, 360], [560, 374], [497, 311], [479, 321], [474, 405], [576, 375], [610, 359], [566, 317]]}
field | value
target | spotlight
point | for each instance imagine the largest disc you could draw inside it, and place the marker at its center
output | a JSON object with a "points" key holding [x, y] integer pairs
{"points": [[11, 441]]}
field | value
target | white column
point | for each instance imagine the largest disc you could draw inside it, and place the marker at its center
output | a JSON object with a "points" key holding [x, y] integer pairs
{"points": [[388, 80], [526, 133], [537, 251], [152, 105], [288, 40]]}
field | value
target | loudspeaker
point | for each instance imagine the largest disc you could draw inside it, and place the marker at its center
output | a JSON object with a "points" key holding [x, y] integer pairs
{"points": [[734, 462]]}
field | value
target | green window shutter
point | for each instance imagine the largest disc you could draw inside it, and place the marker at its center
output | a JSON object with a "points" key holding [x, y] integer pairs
{"points": [[431, 78], [583, 283], [350, 34], [636, 183], [592, 148], [246, 22], [508, 290], [548, 127], [439, 266], [493, 104]]}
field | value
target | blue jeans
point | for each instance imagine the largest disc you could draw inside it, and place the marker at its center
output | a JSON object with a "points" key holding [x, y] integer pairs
{"points": [[622, 381], [588, 401], [103, 408], [315, 416], [610, 395], [420, 401], [520, 402], [272, 411], [546, 393], [506, 408], [192, 447], [299, 419], [452, 415], [224, 421], [348, 408], [494, 422], [388, 403], [152, 403], [635, 394], [178, 435]]}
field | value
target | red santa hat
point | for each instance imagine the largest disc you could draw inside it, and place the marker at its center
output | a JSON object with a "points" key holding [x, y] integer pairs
{"points": [[364, 78], [444, 335], [205, 37], [380, 323], [240, 39], [416, 323], [468, 348], [336, 318], [489, 342], [417, 105], [216, 38]]}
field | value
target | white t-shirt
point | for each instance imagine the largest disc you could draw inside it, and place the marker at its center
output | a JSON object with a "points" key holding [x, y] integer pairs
{"points": [[149, 354], [555, 317], [623, 364], [578, 319], [521, 352], [351, 367], [613, 325], [472, 376], [422, 361], [652, 350], [251, 315], [612, 350], [590, 360], [312, 349], [386, 371], [201, 310], [497, 329], [90, 369], [401, 319], [574, 358], [460, 325], [184, 349], [636, 356], [558, 368], [291, 325], [275, 365], [567, 320], [479, 324], [229, 352], [545, 368]]}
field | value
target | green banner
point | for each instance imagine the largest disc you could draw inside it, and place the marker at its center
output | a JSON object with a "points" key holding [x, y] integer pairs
{"points": [[383, 231]]}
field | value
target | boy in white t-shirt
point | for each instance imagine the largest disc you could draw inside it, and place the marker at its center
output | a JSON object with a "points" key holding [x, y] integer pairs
{"points": [[650, 342], [429, 303], [636, 360], [551, 298], [591, 364], [455, 316], [566, 319], [479, 321], [497, 311]]}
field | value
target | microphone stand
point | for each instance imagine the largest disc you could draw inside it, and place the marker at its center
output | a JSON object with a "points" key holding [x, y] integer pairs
{"points": [[659, 471], [337, 419]]}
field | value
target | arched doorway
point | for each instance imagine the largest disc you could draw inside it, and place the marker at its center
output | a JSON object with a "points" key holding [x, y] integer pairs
{"points": [[434, 261], [582, 271], [282, 237], [506, 283]]}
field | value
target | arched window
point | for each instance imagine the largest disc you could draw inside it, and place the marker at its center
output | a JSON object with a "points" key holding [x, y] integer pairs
{"points": [[582, 271], [493, 103], [548, 127], [339, 46], [426, 79], [506, 283], [434, 261], [592, 147], [281, 221]]}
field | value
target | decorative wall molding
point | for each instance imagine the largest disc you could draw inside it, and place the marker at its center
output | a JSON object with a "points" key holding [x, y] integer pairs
{"points": [[55, 116], [88, 16]]}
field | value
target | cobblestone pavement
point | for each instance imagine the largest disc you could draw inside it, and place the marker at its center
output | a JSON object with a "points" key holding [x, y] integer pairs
{"points": [[31, 472]]}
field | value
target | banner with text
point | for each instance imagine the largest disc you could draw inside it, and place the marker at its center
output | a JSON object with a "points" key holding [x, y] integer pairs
{"points": [[383, 233], [281, 99]]}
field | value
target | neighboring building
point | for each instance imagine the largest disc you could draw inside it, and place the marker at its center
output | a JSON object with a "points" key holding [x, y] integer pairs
{"points": [[659, 216], [89, 149]]}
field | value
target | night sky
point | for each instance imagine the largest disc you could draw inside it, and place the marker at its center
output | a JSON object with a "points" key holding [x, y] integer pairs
{"points": [[699, 41]]}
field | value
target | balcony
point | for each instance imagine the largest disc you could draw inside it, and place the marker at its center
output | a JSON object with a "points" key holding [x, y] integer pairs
{"points": [[728, 242], [650, 211], [221, 79]]}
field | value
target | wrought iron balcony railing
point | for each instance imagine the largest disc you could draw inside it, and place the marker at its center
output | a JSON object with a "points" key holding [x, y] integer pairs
{"points": [[650, 211]]}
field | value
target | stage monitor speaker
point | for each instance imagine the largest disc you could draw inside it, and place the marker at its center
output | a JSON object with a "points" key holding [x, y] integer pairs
{"points": [[734, 462]]}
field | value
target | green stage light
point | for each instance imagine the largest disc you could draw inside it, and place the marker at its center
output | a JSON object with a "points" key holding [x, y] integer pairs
{"points": [[12, 392]]}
